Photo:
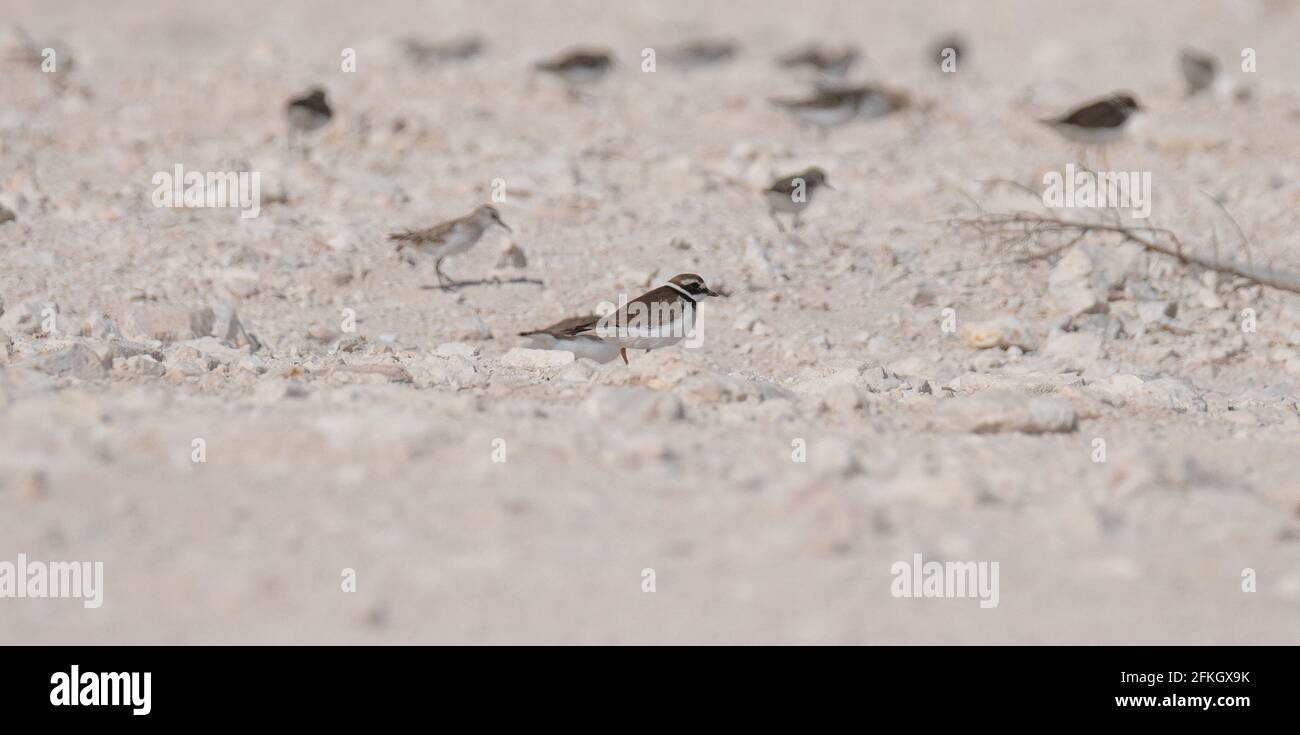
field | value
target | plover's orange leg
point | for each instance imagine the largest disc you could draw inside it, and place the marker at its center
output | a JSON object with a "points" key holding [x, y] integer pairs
{"points": [[622, 352]]}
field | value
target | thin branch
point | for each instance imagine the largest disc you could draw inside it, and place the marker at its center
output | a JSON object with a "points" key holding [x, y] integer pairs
{"points": [[1026, 230]]}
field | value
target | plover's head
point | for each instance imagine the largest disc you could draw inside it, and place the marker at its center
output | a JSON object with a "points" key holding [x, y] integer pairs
{"points": [[487, 215], [692, 285], [815, 177], [1126, 101], [315, 94]]}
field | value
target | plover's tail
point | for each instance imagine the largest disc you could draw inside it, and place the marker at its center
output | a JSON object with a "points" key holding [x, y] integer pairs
{"points": [[403, 238]]}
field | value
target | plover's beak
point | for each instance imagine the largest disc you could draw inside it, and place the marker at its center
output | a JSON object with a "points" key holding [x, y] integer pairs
{"points": [[711, 292], [827, 184], [503, 224]]}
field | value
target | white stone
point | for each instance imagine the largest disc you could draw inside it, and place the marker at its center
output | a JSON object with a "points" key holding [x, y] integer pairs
{"points": [[1005, 411], [1074, 350], [459, 349]]}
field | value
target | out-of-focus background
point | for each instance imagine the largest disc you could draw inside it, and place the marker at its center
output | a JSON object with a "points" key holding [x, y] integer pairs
{"points": [[375, 451]]}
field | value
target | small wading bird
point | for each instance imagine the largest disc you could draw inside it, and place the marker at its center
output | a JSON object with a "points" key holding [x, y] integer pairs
{"points": [[1096, 123], [948, 52], [838, 105], [578, 66], [826, 62], [658, 318], [793, 194], [1199, 70], [702, 52], [450, 237], [306, 114], [426, 53]]}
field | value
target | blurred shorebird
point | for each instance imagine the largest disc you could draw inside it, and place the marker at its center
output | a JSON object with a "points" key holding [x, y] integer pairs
{"points": [[702, 52], [793, 194], [578, 66], [826, 62], [830, 106], [1199, 70], [306, 114], [658, 318], [426, 53], [1096, 123], [449, 238]]}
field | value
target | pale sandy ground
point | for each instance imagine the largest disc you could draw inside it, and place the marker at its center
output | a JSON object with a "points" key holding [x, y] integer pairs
{"points": [[315, 465]]}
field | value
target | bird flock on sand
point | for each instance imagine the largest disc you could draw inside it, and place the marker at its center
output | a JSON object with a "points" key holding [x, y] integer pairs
{"points": [[664, 315]]}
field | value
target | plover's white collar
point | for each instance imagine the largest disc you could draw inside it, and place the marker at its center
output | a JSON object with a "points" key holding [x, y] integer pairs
{"points": [[681, 291]]}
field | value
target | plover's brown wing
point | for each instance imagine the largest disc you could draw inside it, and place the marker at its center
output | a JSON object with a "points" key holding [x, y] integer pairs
{"points": [[813, 56], [575, 60], [784, 186], [314, 103], [658, 295], [702, 51], [428, 234], [1099, 114], [661, 295], [566, 327]]}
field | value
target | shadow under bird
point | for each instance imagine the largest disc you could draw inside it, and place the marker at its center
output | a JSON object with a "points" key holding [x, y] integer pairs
{"points": [[578, 66], [838, 105], [793, 194], [1199, 70], [449, 238], [307, 113], [658, 318]]}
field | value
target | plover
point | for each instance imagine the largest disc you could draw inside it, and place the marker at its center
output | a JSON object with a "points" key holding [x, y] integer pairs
{"points": [[1199, 70], [578, 66], [838, 105], [660, 318], [793, 194], [702, 52], [1098, 122], [423, 52], [949, 50], [557, 337], [450, 237], [307, 113], [829, 63]]}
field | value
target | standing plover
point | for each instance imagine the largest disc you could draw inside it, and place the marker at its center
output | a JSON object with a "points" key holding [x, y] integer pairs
{"points": [[839, 105], [702, 52], [450, 237], [423, 52], [557, 337], [307, 113], [658, 318], [578, 66], [1199, 70], [792, 194], [1098, 122], [948, 52], [827, 62]]}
